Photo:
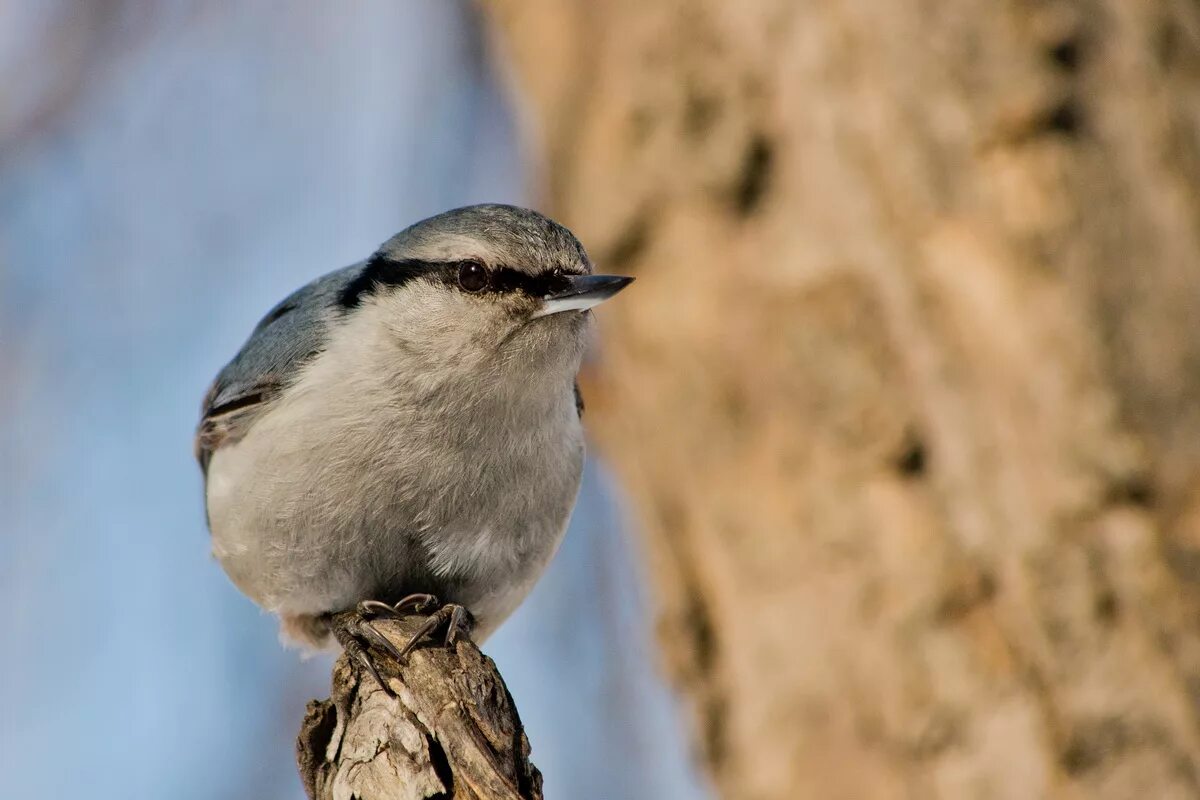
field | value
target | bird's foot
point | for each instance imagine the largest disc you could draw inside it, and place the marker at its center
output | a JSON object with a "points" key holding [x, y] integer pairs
{"points": [[358, 635], [417, 603], [456, 618]]}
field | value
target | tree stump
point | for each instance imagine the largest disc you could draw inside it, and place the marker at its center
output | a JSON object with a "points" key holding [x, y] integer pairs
{"points": [[451, 730]]}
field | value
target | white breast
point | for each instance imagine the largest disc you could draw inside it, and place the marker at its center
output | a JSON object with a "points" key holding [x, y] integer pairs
{"points": [[364, 477]]}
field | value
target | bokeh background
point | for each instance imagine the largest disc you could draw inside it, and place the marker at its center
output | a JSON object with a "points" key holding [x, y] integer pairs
{"points": [[168, 171], [899, 426]]}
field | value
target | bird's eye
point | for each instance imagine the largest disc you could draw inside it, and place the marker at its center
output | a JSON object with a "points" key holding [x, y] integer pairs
{"points": [[472, 277]]}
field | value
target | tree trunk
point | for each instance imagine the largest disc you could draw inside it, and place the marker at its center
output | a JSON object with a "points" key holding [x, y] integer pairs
{"points": [[907, 393]]}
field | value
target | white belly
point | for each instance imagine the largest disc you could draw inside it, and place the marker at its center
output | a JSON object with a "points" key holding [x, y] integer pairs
{"points": [[336, 496]]}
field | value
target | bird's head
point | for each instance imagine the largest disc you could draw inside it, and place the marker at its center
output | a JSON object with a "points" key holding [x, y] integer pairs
{"points": [[491, 287]]}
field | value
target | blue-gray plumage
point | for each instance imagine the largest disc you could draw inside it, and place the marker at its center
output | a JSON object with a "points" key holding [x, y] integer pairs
{"points": [[291, 333], [408, 424]]}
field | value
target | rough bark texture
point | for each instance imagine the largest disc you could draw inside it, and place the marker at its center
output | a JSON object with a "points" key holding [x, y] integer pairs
{"points": [[451, 731], [908, 391]]}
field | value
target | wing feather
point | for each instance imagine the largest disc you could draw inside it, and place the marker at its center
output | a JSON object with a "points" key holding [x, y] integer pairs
{"points": [[284, 340]]}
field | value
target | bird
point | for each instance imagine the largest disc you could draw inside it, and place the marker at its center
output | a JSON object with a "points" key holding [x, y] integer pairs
{"points": [[403, 435]]}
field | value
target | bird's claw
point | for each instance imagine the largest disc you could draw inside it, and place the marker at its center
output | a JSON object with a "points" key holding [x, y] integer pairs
{"points": [[412, 604], [357, 634], [456, 618]]}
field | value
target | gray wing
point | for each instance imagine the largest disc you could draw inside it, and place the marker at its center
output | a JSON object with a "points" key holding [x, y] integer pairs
{"points": [[284, 340]]}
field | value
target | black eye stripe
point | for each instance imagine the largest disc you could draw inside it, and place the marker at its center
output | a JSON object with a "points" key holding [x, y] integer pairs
{"points": [[382, 271], [507, 279], [378, 271]]}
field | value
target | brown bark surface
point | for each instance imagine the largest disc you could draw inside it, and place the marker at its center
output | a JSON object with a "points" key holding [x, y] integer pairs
{"points": [[907, 394], [448, 729]]}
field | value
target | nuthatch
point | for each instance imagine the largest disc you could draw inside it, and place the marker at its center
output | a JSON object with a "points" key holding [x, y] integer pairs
{"points": [[405, 429]]}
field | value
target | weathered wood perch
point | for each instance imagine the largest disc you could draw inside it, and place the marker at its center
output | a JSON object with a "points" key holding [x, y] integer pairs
{"points": [[451, 732]]}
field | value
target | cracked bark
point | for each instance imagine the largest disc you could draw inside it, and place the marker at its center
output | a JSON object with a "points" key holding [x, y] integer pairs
{"points": [[906, 394], [451, 732]]}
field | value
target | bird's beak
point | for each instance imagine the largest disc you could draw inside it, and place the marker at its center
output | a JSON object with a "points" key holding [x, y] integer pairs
{"points": [[583, 292]]}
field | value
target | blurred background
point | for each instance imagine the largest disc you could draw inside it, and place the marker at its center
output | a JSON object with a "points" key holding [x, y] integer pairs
{"points": [[898, 434], [168, 171]]}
